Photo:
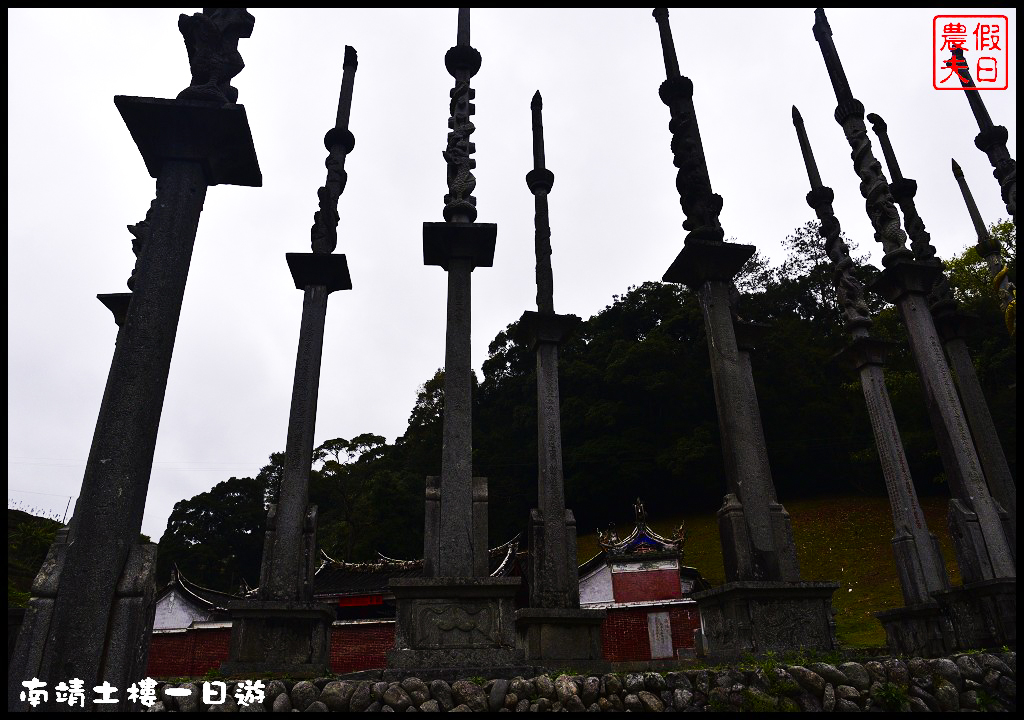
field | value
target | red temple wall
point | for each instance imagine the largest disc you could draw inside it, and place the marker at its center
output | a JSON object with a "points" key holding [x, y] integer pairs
{"points": [[646, 586], [364, 645]]}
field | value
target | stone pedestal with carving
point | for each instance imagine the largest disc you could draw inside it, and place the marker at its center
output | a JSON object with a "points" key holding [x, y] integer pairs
{"points": [[755, 617], [984, 614], [463, 623], [917, 630], [280, 636]]}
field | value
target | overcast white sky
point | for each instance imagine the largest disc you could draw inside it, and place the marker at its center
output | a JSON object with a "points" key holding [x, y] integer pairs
{"points": [[76, 179]]}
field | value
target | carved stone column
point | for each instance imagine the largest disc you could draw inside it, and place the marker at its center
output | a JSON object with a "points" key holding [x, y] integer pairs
{"points": [[92, 605], [983, 551], [763, 592], [951, 325], [457, 621], [919, 628], [553, 630]]}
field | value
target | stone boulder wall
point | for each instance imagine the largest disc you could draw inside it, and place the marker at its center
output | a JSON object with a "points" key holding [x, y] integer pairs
{"points": [[977, 681]]}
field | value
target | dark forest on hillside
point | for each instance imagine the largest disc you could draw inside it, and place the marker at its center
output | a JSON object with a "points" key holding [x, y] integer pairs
{"points": [[638, 419]]}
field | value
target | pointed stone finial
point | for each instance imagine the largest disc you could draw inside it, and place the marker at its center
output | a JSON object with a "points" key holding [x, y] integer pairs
{"points": [[805, 149], [849, 290], [462, 37], [349, 66], [841, 86], [985, 241], [882, 131], [959, 64], [668, 48], [339, 142], [536, 105]]}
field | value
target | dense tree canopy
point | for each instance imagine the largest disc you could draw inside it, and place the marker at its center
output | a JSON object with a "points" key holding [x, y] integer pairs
{"points": [[638, 418]]}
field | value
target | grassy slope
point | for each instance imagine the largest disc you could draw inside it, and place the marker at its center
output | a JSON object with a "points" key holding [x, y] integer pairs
{"points": [[844, 539]]}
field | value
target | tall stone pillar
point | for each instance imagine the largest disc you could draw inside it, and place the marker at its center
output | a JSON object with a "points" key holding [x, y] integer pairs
{"points": [[92, 606], [457, 620], [283, 630], [764, 605], [991, 139], [918, 628], [983, 552], [951, 326], [990, 249], [553, 630]]}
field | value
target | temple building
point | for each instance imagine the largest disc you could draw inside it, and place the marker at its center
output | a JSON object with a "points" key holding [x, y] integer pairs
{"points": [[641, 581], [645, 587]]}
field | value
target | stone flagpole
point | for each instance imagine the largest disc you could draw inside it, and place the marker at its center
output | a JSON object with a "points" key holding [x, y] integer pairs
{"points": [[283, 630], [457, 618], [952, 326], [988, 248], [92, 605], [553, 629], [983, 552], [757, 540], [919, 628]]}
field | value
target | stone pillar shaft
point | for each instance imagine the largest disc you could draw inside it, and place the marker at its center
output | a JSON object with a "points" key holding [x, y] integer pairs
{"points": [[925, 573], [746, 458], [286, 577], [551, 497], [108, 514], [949, 324], [950, 426], [983, 429], [456, 520]]}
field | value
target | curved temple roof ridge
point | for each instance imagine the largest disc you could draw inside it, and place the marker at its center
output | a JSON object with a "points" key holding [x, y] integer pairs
{"points": [[203, 596], [505, 555], [642, 539]]}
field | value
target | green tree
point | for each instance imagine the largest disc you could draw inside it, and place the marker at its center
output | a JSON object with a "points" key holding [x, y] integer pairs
{"points": [[216, 538], [343, 488]]}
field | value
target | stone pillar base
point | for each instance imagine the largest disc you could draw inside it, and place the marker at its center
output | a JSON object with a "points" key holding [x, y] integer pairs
{"points": [[918, 630], [131, 623], [562, 637], [755, 617], [448, 622], [983, 614], [280, 636]]}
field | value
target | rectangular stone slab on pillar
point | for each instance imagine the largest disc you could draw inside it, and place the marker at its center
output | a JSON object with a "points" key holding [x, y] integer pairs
{"points": [[218, 137]]}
